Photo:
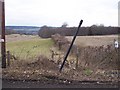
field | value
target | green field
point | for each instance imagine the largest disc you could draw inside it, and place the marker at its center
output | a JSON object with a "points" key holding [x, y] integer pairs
{"points": [[31, 48]]}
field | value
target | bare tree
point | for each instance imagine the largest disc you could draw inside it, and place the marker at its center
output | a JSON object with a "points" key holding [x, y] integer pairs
{"points": [[64, 24]]}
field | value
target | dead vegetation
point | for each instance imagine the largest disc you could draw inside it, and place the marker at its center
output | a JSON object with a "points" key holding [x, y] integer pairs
{"points": [[60, 41], [63, 44], [44, 69], [105, 58], [99, 57]]}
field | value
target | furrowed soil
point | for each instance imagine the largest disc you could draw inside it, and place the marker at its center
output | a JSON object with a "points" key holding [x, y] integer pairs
{"points": [[84, 41]]}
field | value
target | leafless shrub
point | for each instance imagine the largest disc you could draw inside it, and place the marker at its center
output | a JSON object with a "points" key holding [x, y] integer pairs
{"points": [[99, 57], [63, 43]]}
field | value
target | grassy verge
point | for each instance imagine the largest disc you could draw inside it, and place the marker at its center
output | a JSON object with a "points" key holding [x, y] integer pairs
{"points": [[31, 48]]}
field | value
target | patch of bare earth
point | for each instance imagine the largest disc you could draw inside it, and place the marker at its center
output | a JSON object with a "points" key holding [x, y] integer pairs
{"points": [[94, 40], [18, 37]]}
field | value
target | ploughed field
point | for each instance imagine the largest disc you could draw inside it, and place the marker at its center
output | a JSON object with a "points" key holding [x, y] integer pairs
{"points": [[94, 40]]}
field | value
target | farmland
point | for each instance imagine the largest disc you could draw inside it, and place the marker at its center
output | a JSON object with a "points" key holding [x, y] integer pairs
{"points": [[26, 47], [29, 47], [94, 63], [84, 41]]}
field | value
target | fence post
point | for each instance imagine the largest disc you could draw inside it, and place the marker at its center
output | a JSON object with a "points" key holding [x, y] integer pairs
{"points": [[8, 58], [77, 57]]}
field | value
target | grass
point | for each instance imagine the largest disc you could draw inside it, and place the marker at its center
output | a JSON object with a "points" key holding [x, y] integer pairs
{"points": [[88, 71], [30, 48]]}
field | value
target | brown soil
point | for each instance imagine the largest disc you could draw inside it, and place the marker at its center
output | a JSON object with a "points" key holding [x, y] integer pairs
{"points": [[94, 40], [18, 37]]}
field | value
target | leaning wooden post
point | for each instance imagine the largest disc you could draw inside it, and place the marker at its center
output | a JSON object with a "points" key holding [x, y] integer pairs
{"points": [[69, 49]]}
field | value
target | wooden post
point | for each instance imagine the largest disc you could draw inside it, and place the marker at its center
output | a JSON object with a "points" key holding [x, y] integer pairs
{"points": [[77, 57], [52, 54], [8, 58], [69, 49]]}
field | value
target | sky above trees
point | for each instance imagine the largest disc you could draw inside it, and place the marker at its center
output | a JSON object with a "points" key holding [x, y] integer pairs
{"points": [[56, 12]]}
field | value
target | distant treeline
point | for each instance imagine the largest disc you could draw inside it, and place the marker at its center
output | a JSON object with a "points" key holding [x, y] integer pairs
{"points": [[23, 32], [46, 32], [8, 32], [27, 30]]}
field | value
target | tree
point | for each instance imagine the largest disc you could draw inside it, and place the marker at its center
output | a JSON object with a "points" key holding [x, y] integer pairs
{"points": [[101, 25], [8, 32], [64, 24], [90, 31], [94, 25]]}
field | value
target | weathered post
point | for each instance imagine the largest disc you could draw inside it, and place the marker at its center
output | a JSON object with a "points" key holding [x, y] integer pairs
{"points": [[71, 45], [2, 24], [8, 58], [77, 58]]}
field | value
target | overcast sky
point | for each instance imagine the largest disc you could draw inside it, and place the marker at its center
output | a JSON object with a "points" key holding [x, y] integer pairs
{"points": [[56, 12]]}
